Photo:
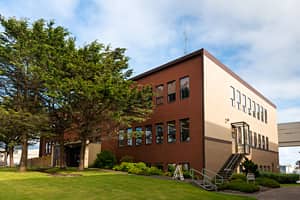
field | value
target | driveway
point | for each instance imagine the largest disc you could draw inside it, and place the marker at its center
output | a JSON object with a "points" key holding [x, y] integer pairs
{"points": [[284, 193]]}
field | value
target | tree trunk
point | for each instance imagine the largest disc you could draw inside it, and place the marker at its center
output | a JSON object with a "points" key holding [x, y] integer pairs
{"points": [[5, 157], [11, 157], [62, 162], [23, 162], [82, 154]]}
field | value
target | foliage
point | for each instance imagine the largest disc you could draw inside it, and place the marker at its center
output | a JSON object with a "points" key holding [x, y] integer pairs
{"points": [[127, 159], [248, 166], [186, 174], [238, 176], [267, 182], [281, 178], [105, 159], [239, 185], [139, 168]]}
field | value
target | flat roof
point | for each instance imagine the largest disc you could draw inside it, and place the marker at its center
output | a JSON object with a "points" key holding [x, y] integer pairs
{"points": [[202, 52]]}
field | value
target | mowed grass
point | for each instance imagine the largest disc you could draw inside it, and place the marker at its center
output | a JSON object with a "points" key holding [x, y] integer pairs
{"points": [[98, 185]]}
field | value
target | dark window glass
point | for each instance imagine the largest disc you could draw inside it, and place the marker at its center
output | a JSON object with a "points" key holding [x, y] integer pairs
{"points": [[244, 102], [159, 94], [138, 136], [171, 132], [122, 138], [129, 136], [184, 87], [266, 116], [259, 141], [263, 142], [232, 98], [159, 133], [148, 134], [238, 99], [172, 91], [184, 130], [249, 106], [262, 113], [255, 140], [254, 108], [258, 111], [267, 143]]}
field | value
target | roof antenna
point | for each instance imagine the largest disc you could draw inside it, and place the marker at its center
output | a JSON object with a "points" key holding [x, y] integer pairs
{"points": [[185, 42]]}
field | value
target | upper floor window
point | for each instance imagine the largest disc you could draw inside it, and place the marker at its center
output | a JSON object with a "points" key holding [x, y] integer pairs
{"points": [[267, 143], [262, 113], [122, 138], [255, 140], [263, 142], [249, 106], [171, 132], [258, 111], [138, 136], [159, 133], [254, 108], [148, 134], [244, 102], [184, 130], [250, 138], [159, 94], [259, 141], [184, 87], [171, 91], [232, 98], [129, 136], [238, 99], [266, 116]]}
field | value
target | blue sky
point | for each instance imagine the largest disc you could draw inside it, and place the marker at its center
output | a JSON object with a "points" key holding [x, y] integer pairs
{"points": [[259, 40]]}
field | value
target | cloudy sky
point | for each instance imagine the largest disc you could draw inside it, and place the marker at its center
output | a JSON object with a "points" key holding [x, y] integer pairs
{"points": [[259, 40]]}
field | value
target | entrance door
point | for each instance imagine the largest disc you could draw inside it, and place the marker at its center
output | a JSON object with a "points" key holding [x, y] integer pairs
{"points": [[240, 134]]}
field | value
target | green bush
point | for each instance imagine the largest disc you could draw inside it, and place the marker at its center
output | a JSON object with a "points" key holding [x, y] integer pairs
{"points": [[105, 159], [281, 178], [138, 168], [127, 159], [238, 176], [267, 182], [155, 171], [248, 166], [186, 174], [239, 185]]}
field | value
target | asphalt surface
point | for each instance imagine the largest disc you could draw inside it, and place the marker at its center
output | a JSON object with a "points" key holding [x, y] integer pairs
{"points": [[284, 193]]}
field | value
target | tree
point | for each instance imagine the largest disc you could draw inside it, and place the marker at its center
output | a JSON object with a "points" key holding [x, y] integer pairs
{"points": [[248, 166]]}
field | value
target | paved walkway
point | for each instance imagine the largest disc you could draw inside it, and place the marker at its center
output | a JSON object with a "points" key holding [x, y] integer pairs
{"points": [[284, 193]]}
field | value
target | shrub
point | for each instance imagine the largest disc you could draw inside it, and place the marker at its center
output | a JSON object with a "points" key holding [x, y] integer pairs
{"points": [[171, 169], [186, 174], [138, 168], [281, 178], [239, 185], [238, 176], [267, 182], [105, 159], [127, 159], [155, 171], [248, 166]]}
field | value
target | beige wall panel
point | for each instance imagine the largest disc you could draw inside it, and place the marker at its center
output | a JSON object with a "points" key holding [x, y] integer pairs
{"points": [[94, 149]]}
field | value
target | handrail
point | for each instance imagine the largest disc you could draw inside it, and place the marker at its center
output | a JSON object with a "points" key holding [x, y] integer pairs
{"points": [[213, 174], [205, 178]]}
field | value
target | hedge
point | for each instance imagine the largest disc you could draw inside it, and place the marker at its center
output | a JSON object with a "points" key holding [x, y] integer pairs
{"points": [[267, 182], [281, 178]]}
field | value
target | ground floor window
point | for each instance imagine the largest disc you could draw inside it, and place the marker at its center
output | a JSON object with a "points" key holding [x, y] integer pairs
{"points": [[129, 136], [148, 134], [159, 133], [138, 137], [185, 130], [171, 132], [121, 138]]}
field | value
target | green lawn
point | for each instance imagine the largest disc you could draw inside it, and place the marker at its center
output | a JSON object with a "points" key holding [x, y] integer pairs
{"points": [[97, 185], [289, 185]]}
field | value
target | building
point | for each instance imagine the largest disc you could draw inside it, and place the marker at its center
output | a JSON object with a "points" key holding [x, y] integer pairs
{"points": [[289, 134], [205, 117]]}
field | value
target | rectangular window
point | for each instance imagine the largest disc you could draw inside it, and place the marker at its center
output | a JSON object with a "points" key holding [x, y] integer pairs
{"points": [[255, 140], [258, 111], [262, 113], [250, 138], [266, 116], [159, 133], [159, 94], [171, 132], [129, 137], [148, 133], [254, 108], [121, 138], [184, 130], [244, 102], [238, 99], [171, 91], [263, 142], [249, 106], [138, 136], [259, 141], [232, 98], [184, 87], [267, 143]]}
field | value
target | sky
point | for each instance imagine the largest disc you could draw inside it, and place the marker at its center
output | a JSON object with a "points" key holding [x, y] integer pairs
{"points": [[259, 40]]}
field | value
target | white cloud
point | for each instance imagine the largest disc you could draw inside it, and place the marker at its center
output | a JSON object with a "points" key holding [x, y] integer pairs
{"points": [[290, 114], [289, 155]]}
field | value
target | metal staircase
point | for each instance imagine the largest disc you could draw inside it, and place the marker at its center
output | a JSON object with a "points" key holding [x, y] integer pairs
{"points": [[206, 179], [230, 165]]}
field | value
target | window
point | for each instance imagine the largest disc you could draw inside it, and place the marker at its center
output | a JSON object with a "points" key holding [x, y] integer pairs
{"points": [[266, 116], [121, 138], [258, 111], [240, 136], [171, 132], [267, 143], [129, 136], [249, 106], [259, 141], [255, 140], [238, 98], [232, 98], [184, 87], [171, 91], [159, 133], [262, 113], [263, 142], [184, 130], [185, 166], [159, 94], [138, 136], [244, 102], [254, 108], [148, 134], [250, 138]]}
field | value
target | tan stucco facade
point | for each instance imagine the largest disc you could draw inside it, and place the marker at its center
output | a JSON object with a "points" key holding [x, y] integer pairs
{"points": [[220, 114], [289, 134]]}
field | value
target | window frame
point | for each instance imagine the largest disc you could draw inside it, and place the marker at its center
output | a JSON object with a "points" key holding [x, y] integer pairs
{"points": [[159, 139], [138, 136], [129, 137], [159, 100], [170, 100], [181, 89], [232, 98], [147, 138], [122, 142], [168, 131], [181, 130]]}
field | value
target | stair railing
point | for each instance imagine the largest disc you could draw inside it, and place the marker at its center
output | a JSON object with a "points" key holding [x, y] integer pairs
{"points": [[218, 179], [206, 180]]}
